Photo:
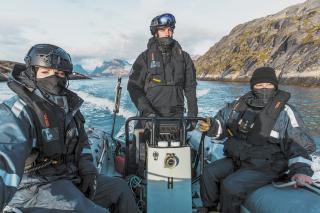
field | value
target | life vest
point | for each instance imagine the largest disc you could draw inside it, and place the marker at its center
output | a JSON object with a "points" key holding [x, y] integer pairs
{"points": [[50, 121], [255, 126], [165, 72], [249, 130]]}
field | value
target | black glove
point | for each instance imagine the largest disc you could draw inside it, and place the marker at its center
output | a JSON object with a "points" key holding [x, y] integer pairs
{"points": [[89, 185]]}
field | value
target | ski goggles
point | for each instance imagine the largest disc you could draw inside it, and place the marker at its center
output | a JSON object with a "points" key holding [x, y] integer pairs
{"points": [[165, 20]]}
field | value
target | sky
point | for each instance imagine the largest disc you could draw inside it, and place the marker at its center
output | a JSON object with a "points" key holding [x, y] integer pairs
{"points": [[96, 30]]}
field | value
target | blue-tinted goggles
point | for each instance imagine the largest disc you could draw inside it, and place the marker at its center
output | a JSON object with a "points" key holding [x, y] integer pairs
{"points": [[166, 19]]}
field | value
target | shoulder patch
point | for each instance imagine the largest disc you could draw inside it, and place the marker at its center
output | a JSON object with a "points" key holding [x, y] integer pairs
{"points": [[18, 107]]}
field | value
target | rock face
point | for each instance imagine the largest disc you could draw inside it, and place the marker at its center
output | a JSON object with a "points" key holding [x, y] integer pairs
{"points": [[288, 41], [7, 66], [113, 67]]}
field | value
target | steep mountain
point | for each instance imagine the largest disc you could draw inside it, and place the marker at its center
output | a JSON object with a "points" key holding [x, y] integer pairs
{"points": [[117, 67], [288, 41], [113, 67], [79, 69]]}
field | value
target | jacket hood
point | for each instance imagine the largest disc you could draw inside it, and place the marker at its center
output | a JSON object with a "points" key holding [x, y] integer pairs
{"points": [[20, 83], [19, 75]]}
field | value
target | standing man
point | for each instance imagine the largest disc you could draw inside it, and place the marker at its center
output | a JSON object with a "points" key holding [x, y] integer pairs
{"points": [[45, 158], [265, 138], [163, 74]]}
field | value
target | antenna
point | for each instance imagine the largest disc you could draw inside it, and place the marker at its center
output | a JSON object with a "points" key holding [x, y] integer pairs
{"points": [[117, 99]]}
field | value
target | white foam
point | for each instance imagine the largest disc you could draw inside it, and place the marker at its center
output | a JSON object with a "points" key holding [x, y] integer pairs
{"points": [[104, 103], [202, 92]]}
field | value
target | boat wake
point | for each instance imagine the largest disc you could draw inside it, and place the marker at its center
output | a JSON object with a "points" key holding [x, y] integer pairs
{"points": [[104, 103], [202, 92]]}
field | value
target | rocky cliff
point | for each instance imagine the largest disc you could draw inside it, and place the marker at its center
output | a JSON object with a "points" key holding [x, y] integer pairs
{"points": [[288, 41]]}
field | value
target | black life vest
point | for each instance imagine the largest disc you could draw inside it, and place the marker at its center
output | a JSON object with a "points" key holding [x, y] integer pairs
{"points": [[51, 121], [166, 69], [249, 131], [258, 124]]}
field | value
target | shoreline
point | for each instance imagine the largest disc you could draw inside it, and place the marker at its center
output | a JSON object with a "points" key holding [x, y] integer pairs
{"points": [[305, 82]]}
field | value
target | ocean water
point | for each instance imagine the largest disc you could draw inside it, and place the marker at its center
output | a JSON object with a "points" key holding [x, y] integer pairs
{"points": [[98, 95]]}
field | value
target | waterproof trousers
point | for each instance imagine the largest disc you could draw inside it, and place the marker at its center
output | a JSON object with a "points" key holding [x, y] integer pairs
{"points": [[63, 196], [223, 182]]}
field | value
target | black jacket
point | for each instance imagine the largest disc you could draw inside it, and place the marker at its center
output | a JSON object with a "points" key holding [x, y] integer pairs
{"points": [[159, 81], [285, 145]]}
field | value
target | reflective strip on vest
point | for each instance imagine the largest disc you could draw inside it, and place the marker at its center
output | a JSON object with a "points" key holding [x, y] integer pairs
{"points": [[219, 128], [219, 132], [86, 151], [17, 108], [292, 117], [10, 179], [299, 160], [274, 134], [34, 142], [8, 161]]}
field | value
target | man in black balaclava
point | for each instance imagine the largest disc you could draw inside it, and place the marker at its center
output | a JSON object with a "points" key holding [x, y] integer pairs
{"points": [[46, 163], [163, 74], [265, 138]]}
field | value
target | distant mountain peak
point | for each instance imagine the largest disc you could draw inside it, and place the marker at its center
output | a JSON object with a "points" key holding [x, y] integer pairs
{"points": [[109, 67]]}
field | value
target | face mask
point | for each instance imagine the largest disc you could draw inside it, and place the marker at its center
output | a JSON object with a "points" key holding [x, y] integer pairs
{"points": [[264, 95], [53, 85], [165, 43]]}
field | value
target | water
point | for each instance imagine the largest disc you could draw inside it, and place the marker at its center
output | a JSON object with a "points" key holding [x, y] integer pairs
{"points": [[99, 101]]}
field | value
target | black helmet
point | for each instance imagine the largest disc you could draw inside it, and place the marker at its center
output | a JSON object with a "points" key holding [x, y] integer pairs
{"points": [[164, 20], [50, 56]]}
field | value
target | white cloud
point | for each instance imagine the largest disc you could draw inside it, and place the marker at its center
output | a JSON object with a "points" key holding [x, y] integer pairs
{"points": [[93, 31]]}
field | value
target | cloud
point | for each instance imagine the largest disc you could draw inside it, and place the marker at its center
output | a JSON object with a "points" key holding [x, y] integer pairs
{"points": [[12, 41], [16, 37], [197, 40], [110, 45], [94, 31]]}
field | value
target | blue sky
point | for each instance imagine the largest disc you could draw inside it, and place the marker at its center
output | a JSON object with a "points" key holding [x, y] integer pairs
{"points": [[97, 30]]}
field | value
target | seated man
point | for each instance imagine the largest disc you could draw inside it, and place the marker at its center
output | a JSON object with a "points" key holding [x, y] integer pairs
{"points": [[45, 158], [265, 138]]}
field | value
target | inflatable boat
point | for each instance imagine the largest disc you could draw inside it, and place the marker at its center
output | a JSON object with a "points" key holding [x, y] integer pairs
{"points": [[163, 166]]}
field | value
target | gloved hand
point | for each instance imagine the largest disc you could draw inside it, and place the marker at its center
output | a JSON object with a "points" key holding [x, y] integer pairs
{"points": [[301, 179], [191, 125], [89, 185], [204, 126]]}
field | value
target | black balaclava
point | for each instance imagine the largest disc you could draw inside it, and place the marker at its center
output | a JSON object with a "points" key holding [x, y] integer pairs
{"points": [[165, 44], [53, 85], [262, 96]]}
